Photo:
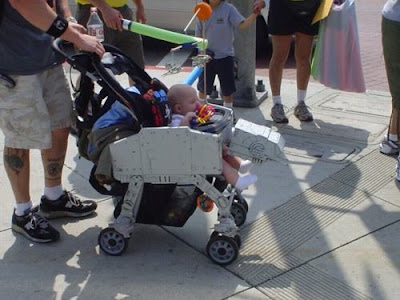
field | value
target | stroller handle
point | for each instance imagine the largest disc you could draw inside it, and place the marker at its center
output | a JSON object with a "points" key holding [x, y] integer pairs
{"points": [[59, 46], [69, 53]]}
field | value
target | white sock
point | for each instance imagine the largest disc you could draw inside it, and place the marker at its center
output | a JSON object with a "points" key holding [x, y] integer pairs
{"points": [[21, 208], [245, 166], [245, 181], [276, 99], [228, 104], [393, 137], [53, 193], [301, 95]]}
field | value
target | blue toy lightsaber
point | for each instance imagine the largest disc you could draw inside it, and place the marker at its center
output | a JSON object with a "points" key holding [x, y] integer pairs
{"points": [[191, 78]]}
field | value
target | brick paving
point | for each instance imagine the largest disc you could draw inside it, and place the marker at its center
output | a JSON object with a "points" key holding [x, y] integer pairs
{"points": [[369, 29]]}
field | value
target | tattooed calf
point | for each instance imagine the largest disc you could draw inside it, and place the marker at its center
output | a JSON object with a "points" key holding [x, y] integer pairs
{"points": [[15, 159]]}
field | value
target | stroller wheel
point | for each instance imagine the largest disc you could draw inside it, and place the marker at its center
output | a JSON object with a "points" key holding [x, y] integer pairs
{"points": [[117, 200], [205, 203], [240, 199], [222, 250], [112, 242], [238, 240], [239, 213]]}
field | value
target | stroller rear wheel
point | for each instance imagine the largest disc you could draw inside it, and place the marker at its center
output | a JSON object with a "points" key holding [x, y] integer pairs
{"points": [[112, 242], [222, 249]]}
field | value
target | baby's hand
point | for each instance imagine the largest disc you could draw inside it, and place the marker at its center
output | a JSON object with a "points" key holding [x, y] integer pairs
{"points": [[258, 6], [187, 118]]}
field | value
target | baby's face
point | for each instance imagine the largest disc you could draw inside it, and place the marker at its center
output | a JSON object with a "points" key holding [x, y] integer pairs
{"points": [[214, 3], [189, 102]]}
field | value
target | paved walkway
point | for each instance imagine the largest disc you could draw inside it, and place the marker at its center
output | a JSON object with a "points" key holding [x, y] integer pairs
{"points": [[320, 227]]}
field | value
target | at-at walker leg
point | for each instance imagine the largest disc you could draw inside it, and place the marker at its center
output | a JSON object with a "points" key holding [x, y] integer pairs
{"points": [[125, 222], [226, 223]]}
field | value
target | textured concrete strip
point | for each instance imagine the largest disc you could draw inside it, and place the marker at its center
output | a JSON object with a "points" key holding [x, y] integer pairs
{"points": [[250, 294], [280, 231], [305, 282], [370, 173]]}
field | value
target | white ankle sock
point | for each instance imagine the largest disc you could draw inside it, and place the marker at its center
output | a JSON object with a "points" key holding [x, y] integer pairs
{"points": [[228, 104], [245, 181], [393, 137], [21, 208], [53, 193], [301, 95], [245, 166], [276, 99]]}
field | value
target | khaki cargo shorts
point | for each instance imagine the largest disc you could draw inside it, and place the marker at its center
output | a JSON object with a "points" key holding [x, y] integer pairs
{"points": [[37, 105]]}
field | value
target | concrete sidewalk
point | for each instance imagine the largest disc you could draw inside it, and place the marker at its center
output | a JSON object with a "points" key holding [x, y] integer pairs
{"points": [[324, 226]]}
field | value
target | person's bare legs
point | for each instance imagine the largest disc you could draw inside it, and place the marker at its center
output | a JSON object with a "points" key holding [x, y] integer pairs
{"points": [[233, 161], [16, 164], [280, 53], [53, 158], [390, 144], [56, 203], [394, 122], [232, 177], [34, 227], [230, 174], [302, 53]]}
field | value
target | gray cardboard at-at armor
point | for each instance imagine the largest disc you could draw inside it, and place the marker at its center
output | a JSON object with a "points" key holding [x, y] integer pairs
{"points": [[167, 151], [256, 142], [180, 152]]}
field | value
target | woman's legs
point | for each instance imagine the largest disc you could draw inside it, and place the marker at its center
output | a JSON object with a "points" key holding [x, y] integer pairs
{"points": [[302, 53], [391, 50], [280, 53], [303, 47]]}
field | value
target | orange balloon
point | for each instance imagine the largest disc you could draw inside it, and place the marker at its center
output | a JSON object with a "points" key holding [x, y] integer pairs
{"points": [[205, 10]]}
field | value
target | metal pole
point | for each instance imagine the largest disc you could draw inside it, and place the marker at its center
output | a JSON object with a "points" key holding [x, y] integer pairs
{"points": [[245, 53]]}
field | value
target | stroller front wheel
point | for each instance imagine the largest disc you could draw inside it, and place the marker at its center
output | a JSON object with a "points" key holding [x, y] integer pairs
{"points": [[112, 242], [222, 250]]}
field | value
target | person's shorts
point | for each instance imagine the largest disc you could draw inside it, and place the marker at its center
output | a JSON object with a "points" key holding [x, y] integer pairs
{"points": [[391, 53], [129, 42], [37, 105], [224, 68], [282, 21]]}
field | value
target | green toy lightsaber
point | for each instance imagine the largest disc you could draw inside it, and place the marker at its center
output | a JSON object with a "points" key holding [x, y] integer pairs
{"points": [[165, 35]]}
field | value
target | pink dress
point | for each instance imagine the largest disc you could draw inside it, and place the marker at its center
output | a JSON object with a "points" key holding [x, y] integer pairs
{"points": [[337, 60]]}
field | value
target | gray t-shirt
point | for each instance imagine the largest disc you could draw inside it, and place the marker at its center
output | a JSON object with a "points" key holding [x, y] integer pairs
{"points": [[220, 29], [24, 49], [391, 10]]}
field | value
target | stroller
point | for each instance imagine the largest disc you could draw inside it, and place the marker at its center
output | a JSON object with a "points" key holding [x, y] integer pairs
{"points": [[159, 174]]}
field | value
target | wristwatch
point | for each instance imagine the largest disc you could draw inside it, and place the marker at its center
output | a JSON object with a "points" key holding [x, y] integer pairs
{"points": [[72, 19]]}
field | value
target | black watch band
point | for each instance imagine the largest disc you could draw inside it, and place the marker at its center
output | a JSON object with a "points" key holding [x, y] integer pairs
{"points": [[58, 27]]}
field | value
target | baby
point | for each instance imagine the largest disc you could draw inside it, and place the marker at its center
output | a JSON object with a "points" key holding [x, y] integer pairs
{"points": [[182, 100]]}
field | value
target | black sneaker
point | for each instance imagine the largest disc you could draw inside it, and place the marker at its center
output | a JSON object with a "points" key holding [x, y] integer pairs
{"points": [[67, 205], [34, 227]]}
